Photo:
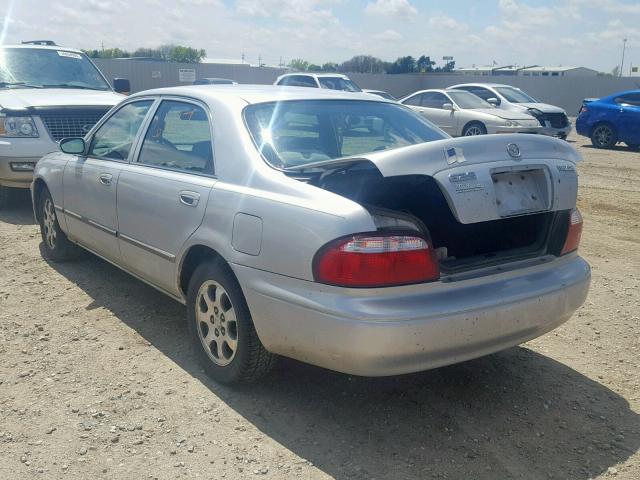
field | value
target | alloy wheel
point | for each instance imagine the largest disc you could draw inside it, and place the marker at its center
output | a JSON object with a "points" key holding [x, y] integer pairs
{"points": [[603, 136], [216, 323], [49, 223], [473, 130]]}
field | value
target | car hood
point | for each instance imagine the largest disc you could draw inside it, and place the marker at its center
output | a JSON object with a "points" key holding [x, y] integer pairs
{"points": [[543, 107], [504, 114], [25, 98]]}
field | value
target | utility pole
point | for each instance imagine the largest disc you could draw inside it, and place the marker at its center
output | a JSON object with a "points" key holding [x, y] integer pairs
{"points": [[242, 58], [259, 60], [624, 47]]}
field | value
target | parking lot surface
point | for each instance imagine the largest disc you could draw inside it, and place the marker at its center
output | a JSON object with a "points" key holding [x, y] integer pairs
{"points": [[97, 380]]}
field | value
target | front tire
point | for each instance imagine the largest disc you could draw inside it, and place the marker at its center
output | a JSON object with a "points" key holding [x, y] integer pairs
{"points": [[221, 327], [5, 197], [56, 245], [475, 128], [604, 136]]}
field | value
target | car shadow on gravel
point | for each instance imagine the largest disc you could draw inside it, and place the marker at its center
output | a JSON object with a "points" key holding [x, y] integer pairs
{"points": [[516, 414], [19, 211], [617, 148]]}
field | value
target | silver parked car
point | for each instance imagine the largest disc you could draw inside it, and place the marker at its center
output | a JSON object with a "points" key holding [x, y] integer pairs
{"points": [[331, 81], [554, 120], [461, 113], [339, 229]]}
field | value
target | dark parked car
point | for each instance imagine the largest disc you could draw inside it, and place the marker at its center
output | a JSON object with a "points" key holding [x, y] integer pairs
{"points": [[214, 81], [612, 119]]}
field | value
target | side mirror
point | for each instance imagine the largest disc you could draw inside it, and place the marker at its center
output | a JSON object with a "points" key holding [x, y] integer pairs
{"points": [[73, 146], [447, 106], [493, 101], [122, 85]]}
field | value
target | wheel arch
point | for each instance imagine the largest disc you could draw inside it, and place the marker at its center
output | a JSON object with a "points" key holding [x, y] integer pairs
{"points": [[602, 122], [194, 256], [473, 122], [39, 186]]}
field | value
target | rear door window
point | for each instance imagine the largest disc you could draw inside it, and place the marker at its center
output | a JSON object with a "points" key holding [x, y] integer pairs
{"points": [[179, 138], [299, 81]]}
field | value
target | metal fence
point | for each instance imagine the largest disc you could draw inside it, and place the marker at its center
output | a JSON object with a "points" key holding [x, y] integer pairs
{"points": [[565, 92]]}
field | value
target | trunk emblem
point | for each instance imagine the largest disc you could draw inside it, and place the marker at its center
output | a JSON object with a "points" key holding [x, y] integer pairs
{"points": [[514, 151]]}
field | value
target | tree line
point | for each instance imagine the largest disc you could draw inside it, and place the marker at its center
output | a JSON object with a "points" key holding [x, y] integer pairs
{"points": [[165, 53], [371, 64]]}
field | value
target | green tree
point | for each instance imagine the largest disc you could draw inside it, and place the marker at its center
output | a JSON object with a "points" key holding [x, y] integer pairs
{"points": [[329, 67], [363, 64], [299, 64], [314, 68], [403, 65], [425, 64]]}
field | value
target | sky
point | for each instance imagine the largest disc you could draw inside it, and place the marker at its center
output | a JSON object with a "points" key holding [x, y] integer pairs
{"points": [[522, 32]]}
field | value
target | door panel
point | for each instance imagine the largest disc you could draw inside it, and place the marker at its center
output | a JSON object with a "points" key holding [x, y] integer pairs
{"points": [[90, 182], [90, 203], [163, 195], [157, 212]]}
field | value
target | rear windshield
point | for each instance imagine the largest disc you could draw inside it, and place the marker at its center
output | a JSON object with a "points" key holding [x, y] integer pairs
{"points": [[338, 83], [298, 132]]}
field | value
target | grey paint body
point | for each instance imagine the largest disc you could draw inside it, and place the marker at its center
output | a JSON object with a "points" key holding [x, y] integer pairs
{"points": [[268, 226], [454, 121]]}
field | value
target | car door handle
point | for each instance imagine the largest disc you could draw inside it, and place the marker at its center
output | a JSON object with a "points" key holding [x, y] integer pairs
{"points": [[190, 199], [105, 179]]}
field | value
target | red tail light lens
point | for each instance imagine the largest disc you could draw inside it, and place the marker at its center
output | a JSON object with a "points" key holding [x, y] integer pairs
{"points": [[574, 233], [583, 109], [373, 260]]}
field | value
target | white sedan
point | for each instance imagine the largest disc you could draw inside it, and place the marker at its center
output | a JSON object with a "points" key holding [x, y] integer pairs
{"points": [[461, 113]]}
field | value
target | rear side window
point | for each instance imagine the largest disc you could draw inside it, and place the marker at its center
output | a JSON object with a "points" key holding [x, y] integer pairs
{"points": [[632, 99], [179, 138], [299, 81], [114, 138], [415, 101]]}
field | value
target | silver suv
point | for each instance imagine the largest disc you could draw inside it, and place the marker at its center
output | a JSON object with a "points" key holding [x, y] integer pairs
{"points": [[47, 93]]}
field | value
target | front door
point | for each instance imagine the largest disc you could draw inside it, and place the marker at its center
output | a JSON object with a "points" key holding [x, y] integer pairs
{"points": [[162, 196], [90, 181]]}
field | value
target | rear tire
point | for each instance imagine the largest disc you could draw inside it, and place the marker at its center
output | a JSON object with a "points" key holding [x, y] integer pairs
{"points": [[221, 327], [5, 197], [56, 246], [474, 128], [604, 136]]}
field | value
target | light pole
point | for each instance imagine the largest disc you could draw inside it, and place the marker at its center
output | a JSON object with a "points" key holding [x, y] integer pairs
{"points": [[624, 47]]}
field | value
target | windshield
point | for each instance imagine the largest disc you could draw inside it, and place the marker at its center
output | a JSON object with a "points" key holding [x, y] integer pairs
{"points": [[467, 100], [514, 95], [45, 68], [299, 132], [338, 83]]}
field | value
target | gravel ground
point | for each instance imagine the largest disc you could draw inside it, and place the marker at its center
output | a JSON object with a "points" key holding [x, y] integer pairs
{"points": [[97, 380]]}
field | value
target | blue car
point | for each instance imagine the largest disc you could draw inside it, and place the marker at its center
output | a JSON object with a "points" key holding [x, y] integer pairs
{"points": [[612, 119]]}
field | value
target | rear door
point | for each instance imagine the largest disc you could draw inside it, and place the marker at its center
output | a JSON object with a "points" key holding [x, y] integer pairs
{"points": [[628, 123], [163, 193], [90, 181]]}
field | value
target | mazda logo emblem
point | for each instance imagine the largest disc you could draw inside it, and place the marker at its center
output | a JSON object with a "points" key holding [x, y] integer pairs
{"points": [[514, 150]]}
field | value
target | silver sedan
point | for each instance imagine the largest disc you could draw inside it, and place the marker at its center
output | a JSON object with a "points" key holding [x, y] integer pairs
{"points": [[339, 229], [461, 113]]}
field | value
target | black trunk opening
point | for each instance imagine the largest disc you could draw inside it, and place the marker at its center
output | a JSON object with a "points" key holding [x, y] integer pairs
{"points": [[458, 245]]}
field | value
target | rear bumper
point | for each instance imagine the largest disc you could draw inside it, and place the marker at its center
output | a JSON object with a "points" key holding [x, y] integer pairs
{"points": [[491, 129], [377, 332]]}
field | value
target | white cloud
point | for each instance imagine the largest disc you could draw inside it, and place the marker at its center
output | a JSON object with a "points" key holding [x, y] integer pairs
{"points": [[391, 8], [388, 36]]}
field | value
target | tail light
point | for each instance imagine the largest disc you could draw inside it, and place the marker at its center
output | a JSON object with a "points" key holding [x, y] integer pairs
{"points": [[376, 260], [574, 232], [583, 109]]}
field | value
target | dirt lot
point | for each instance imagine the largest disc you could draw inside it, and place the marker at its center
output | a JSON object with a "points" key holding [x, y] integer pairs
{"points": [[97, 380]]}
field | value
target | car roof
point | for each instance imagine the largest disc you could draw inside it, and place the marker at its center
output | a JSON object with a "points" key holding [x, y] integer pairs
{"points": [[259, 93], [477, 84], [31, 46], [316, 74]]}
